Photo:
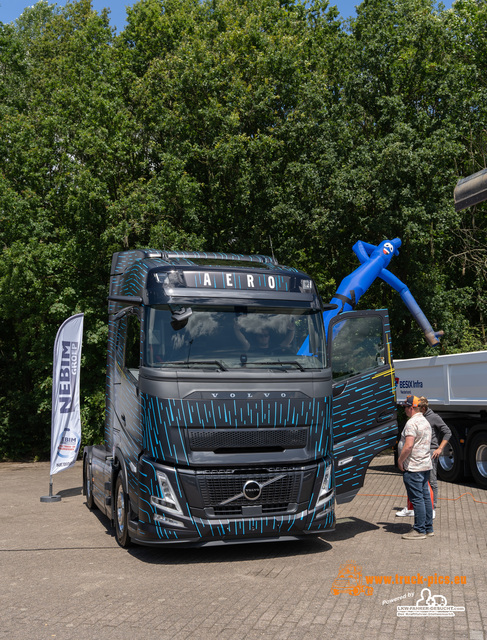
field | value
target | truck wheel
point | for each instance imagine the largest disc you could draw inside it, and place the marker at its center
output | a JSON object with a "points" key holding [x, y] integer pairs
{"points": [[88, 485], [121, 513], [477, 458], [449, 463]]}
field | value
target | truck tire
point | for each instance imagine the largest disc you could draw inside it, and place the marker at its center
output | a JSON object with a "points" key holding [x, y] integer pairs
{"points": [[477, 458], [449, 463], [88, 484], [121, 511]]}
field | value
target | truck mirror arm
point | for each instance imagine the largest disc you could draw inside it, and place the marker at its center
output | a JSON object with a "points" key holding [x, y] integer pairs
{"points": [[127, 311]]}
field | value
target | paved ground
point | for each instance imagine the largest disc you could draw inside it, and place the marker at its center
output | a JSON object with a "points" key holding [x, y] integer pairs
{"points": [[63, 575]]}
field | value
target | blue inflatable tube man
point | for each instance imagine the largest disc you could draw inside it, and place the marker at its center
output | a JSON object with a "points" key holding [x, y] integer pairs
{"points": [[374, 262]]}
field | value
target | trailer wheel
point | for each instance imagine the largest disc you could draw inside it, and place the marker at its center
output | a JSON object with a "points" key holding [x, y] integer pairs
{"points": [[450, 463], [477, 458], [121, 513], [88, 485]]}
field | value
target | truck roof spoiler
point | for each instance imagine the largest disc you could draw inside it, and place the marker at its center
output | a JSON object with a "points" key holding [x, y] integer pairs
{"points": [[211, 255], [470, 190], [123, 260]]}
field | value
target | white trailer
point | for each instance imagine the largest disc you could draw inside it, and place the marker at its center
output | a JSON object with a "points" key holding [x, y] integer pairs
{"points": [[456, 388]]}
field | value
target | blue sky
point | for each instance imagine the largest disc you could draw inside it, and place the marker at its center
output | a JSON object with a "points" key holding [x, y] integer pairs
{"points": [[11, 9]]}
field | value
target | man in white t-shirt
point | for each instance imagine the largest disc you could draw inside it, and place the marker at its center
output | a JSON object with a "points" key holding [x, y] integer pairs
{"points": [[415, 461]]}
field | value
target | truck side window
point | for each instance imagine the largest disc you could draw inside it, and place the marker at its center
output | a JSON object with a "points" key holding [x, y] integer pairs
{"points": [[132, 344], [128, 344], [357, 346]]}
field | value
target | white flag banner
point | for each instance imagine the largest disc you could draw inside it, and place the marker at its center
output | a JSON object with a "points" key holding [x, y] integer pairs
{"points": [[66, 420]]}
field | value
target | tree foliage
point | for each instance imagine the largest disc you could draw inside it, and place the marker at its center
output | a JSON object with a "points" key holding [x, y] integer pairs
{"points": [[232, 126]]}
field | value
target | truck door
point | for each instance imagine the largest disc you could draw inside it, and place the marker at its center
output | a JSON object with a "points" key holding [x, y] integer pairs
{"points": [[127, 429], [364, 402], [126, 433]]}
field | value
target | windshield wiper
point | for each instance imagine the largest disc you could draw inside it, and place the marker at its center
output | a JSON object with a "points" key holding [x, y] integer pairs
{"points": [[219, 364], [278, 363]]}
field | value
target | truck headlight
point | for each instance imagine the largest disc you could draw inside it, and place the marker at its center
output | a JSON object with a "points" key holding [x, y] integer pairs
{"points": [[326, 489], [168, 501]]}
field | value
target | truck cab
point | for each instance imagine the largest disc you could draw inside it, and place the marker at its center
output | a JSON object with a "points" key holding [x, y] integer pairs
{"points": [[220, 401]]}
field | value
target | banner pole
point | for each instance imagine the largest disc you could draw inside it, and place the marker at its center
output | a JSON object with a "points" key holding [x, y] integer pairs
{"points": [[50, 497]]}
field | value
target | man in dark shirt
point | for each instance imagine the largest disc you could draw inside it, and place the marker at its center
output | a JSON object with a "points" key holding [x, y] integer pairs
{"points": [[440, 435]]}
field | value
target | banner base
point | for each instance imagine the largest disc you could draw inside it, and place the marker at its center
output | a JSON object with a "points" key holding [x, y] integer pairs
{"points": [[50, 497], [56, 498]]}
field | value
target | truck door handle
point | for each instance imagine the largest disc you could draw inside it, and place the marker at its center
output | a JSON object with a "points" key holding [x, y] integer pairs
{"points": [[385, 415], [338, 389]]}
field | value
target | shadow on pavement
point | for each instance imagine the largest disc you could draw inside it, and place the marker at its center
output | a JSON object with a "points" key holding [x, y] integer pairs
{"points": [[348, 528], [69, 493], [397, 527]]}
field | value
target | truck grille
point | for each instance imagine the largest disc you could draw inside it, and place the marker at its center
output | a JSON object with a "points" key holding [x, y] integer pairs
{"points": [[248, 439], [276, 497]]}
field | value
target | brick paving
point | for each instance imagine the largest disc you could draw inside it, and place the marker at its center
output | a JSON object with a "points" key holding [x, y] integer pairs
{"points": [[63, 575]]}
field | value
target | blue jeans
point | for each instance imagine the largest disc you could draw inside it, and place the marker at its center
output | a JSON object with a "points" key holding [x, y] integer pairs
{"points": [[419, 494]]}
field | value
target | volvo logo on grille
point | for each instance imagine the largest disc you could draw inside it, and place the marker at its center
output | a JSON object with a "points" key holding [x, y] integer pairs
{"points": [[252, 490]]}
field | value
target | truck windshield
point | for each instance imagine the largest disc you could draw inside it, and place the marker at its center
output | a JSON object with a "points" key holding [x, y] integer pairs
{"points": [[230, 337]]}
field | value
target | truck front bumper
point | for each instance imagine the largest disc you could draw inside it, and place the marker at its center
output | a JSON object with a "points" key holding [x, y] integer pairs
{"points": [[215, 506]]}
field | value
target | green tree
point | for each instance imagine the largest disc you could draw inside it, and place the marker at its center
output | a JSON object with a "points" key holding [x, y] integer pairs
{"points": [[53, 200], [230, 126]]}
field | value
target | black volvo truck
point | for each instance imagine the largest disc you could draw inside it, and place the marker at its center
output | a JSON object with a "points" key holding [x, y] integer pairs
{"points": [[232, 413]]}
